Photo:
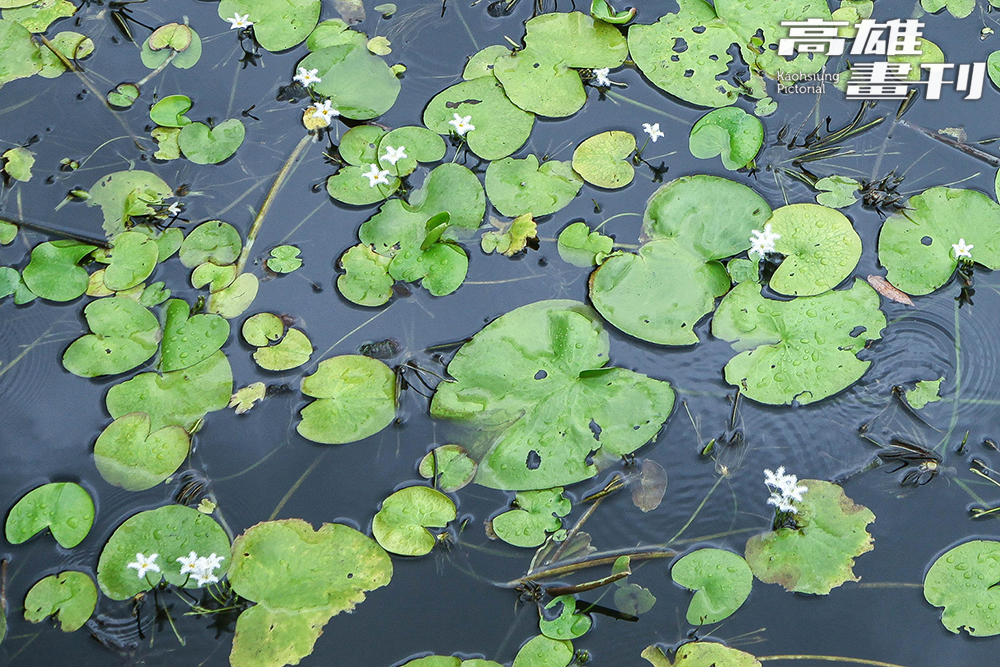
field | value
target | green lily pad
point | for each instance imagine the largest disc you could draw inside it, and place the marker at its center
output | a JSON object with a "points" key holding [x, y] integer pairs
{"points": [[540, 78], [801, 350], [214, 276], [185, 59], [187, 339], [837, 191], [171, 532], [600, 160], [166, 140], [124, 95], [535, 514], [277, 24], [957, 8], [178, 398], [963, 581], [500, 127], [21, 56], [131, 260], [129, 456], [519, 187], [127, 194], [449, 466], [233, 300], [53, 272], [541, 651], [448, 660], [340, 67], [351, 186], [175, 36], [569, 624], [925, 391], [356, 398], [71, 44], [213, 241], [722, 581], [366, 280], [993, 67], [204, 145], [408, 146], [66, 509], [169, 112], [820, 247], [245, 398], [701, 654], [284, 259], [537, 381], [581, 247], [125, 334], [70, 597], [633, 599], [511, 237], [38, 16], [18, 162], [916, 248], [154, 295], [819, 555], [300, 579], [10, 280], [400, 526], [263, 329], [601, 10], [730, 132], [454, 189], [331, 33], [292, 351], [481, 63], [8, 233]]}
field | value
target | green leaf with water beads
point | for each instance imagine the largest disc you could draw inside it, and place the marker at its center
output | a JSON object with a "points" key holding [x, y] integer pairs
{"points": [[540, 78], [601, 159], [819, 554], [187, 339], [541, 651], [925, 391], [519, 187], [722, 581], [125, 334], [731, 133], [366, 279], [300, 579], [957, 8], [127, 194], [169, 112], [449, 466], [128, 455], [420, 144], [20, 57], [66, 509], [836, 191], [124, 95], [915, 248], [53, 272], [535, 514], [70, 597], [284, 259], [701, 654], [38, 16], [569, 624], [178, 398], [536, 382], [581, 247], [131, 260], [186, 58], [8, 232], [963, 580], [356, 398], [204, 145], [214, 276], [213, 241], [820, 247], [17, 163], [500, 127], [401, 525], [277, 24], [171, 532], [341, 67]]}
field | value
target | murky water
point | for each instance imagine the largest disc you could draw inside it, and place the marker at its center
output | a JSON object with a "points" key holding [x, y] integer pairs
{"points": [[260, 468]]}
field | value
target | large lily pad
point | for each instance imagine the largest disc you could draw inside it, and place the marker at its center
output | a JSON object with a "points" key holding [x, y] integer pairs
{"points": [[964, 581], [819, 554], [129, 456], [601, 159], [277, 24], [820, 247], [401, 525], [53, 272], [71, 597], [722, 581], [66, 509], [127, 194], [916, 249], [537, 381], [125, 334], [341, 67], [534, 516], [518, 187], [356, 398], [801, 350], [21, 57], [299, 578]]}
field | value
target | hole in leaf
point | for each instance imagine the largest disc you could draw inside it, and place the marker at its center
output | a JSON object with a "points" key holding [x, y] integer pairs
{"points": [[857, 331], [533, 460], [541, 375], [595, 428], [927, 240]]}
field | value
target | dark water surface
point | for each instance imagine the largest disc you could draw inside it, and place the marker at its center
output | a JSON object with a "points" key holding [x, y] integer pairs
{"points": [[444, 602]]}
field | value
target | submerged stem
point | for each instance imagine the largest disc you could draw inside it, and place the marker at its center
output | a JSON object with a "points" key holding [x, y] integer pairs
{"points": [[830, 658], [595, 560]]}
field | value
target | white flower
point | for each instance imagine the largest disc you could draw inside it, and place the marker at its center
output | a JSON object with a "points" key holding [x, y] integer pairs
{"points": [[239, 21], [205, 577], [393, 155], [325, 111], [602, 76], [653, 131], [307, 77], [174, 209], [762, 242], [962, 250], [189, 563], [201, 568], [143, 564], [462, 124], [784, 490], [213, 561], [376, 176]]}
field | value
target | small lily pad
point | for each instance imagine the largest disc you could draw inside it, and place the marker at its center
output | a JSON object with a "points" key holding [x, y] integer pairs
{"points": [[204, 145], [169, 112], [187, 339], [284, 259], [837, 191], [535, 514], [292, 351], [215, 277], [247, 397], [600, 9], [542, 651], [963, 581], [17, 163], [233, 300], [366, 280], [924, 392], [730, 132], [722, 581], [569, 624], [54, 273], [129, 456], [175, 36], [185, 58], [124, 335], [511, 237], [213, 241], [400, 527], [70, 597], [8, 233], [581, 247], [124, 95], [449, 466], [409, 146], [601, 159], [66, 509], [356, 398], [263, 329]]}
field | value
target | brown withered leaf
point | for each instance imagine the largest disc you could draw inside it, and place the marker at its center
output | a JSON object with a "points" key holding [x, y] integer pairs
{"points": [[649, 486], [888, 290]]}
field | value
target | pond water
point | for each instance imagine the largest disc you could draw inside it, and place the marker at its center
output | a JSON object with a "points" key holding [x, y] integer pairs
{"points": [[258, 468]]}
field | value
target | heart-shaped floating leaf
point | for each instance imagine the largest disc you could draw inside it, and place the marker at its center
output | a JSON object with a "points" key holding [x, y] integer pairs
{"points": [[511, 237], [581, 247], [916, 248], [204, 145], [124, 95], [819, 555], [66, 509], [183, 59], [536, 382], [169, 112], [179, 398], [351, 185], [519, 187], [233, 300], [278, 350], [127, 194], [731, 132], [215, 277], [71, 597], [701, 654], [131, 260], [801, 350], [72, 45], [400, 526], [535, 514], [129, 456], [541, 651], [125, 334], [569, 624], [284, 259], [963, 580], [175, 36], [836, 191], [341, 67], [53, 272], [400, 150], [449, 466], [356, 398], [299, 578], [600, 160], [213, 241], [170, 532], [366, 279], [277, 24], [188, 340], [820, 247], [722, 581]]}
